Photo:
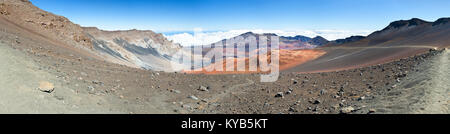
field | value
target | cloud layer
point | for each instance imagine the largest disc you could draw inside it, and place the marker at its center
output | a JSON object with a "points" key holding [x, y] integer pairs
{"points": [[203, 38]]}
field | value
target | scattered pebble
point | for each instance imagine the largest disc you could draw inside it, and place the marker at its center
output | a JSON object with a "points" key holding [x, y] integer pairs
{"points": [[203, 88], [193, 97], [347, 110], [46, 87], [279, 95]]}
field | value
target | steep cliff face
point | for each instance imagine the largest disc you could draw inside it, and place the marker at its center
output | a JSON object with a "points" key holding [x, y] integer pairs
{"points": [[143, 49]]}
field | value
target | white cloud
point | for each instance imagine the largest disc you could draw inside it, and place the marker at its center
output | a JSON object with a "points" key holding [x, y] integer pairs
{"points": [[203, 38]]}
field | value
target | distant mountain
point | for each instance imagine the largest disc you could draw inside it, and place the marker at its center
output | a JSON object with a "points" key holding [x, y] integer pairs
{"points": [[401, 24], [298, 38], [349, 39], [441, 21], [413, 31], [289, 42], [405, 23], [400, 39], [319, 40]]}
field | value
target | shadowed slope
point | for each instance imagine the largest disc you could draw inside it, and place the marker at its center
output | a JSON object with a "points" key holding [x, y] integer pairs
{"points": [[399, 40]]}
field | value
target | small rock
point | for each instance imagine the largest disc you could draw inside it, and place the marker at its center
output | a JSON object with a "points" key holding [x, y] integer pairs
{"points": [[291, 109], [59, 98], [91, 89], [316, 102], [266, 104], [288, 92], [279, 95], [186, 106], [340, 93], [96, 82], [203, 88], [46, 87], [176, 91], [393, 86], [316, 109], [361, 98], [84, 74], [372, 111], [193, 97], [347, 110], [323, 91]]}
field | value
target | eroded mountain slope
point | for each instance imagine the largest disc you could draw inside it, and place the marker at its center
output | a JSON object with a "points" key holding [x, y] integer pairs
{"points": [[398, 40], [141, 49]]}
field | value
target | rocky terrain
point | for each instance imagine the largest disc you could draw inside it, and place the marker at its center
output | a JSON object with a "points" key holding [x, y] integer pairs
{"points": [[51, 65], [385, 88]]}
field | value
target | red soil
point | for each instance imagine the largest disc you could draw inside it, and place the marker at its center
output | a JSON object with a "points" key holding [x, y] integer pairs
{"points": [[288, 59]]}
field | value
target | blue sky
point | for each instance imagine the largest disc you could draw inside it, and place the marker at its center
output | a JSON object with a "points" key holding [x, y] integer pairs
{"points": [[211, 15]]}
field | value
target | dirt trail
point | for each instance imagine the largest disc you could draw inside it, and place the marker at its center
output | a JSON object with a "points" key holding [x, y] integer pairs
{"points": [[233, 89], [436, 98], [372, 47], [424, 92]]}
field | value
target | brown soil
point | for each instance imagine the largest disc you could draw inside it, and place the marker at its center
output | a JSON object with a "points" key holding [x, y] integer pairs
{"points": [[288, 59]]}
